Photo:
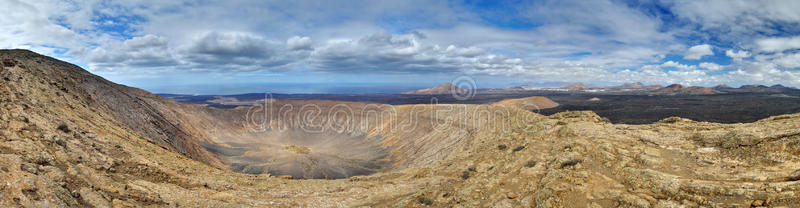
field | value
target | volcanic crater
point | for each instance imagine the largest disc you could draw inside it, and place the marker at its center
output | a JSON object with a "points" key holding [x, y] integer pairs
{"points": [[324, 139]]}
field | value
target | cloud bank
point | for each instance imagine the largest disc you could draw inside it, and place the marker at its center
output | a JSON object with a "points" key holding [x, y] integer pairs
{"points": [[543, 41]]}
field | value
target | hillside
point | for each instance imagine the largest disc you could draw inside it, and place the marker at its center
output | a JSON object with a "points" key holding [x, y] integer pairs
{"points": [[528, 103], [692, 90], [64, 144]]}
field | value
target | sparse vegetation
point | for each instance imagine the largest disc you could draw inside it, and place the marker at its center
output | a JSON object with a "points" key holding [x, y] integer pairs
{"points": [[502, 147], [518, 148], [465, 175], [64, 128], [472, 169], [298, 149], [424, 200], [530, 163], [570, 163], [571, 114], [673, 119], [570, 146], [61, 142]]}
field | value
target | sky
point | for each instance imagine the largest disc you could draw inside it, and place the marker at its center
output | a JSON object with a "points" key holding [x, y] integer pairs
{"points": [[241, 46]]}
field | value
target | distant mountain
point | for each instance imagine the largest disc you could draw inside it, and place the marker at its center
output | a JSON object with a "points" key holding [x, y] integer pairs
{"points": [[575, 86], [693, 90], [445, 88], [630, 85], [722, 87], [654, 87], [672, 87], [514, 88], [755, 86], [701, 90], [781, 87]]}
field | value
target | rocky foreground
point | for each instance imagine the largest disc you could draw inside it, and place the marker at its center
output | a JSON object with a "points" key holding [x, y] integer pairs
{"points": [[68, 138]]}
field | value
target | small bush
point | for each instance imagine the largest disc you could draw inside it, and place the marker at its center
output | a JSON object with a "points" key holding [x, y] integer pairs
{"points": [[64, 128], [465, 175], [518, 148], [570, 146], [502, 147], [673, 119], [424, 200], [60, 142], [569, 163], [531, 163]]}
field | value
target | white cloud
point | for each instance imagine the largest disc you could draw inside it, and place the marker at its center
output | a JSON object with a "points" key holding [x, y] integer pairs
{"points": [[469, 52], [738, 55], [230, 44], [144, 51], [27, 24], [383, 52], [298, 43], [678, 66], [736, 20], [778, 44], [697, 52], [789, 61], [710, 66]]}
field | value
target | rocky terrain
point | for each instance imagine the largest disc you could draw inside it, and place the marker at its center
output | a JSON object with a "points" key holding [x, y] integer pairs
{"points": [[72, 139]]}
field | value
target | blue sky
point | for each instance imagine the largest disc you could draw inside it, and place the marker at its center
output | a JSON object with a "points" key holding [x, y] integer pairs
{"points": [[225, 47]]}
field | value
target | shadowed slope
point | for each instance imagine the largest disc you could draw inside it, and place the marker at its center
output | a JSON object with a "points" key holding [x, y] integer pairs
{"points": [[49, 84]]}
